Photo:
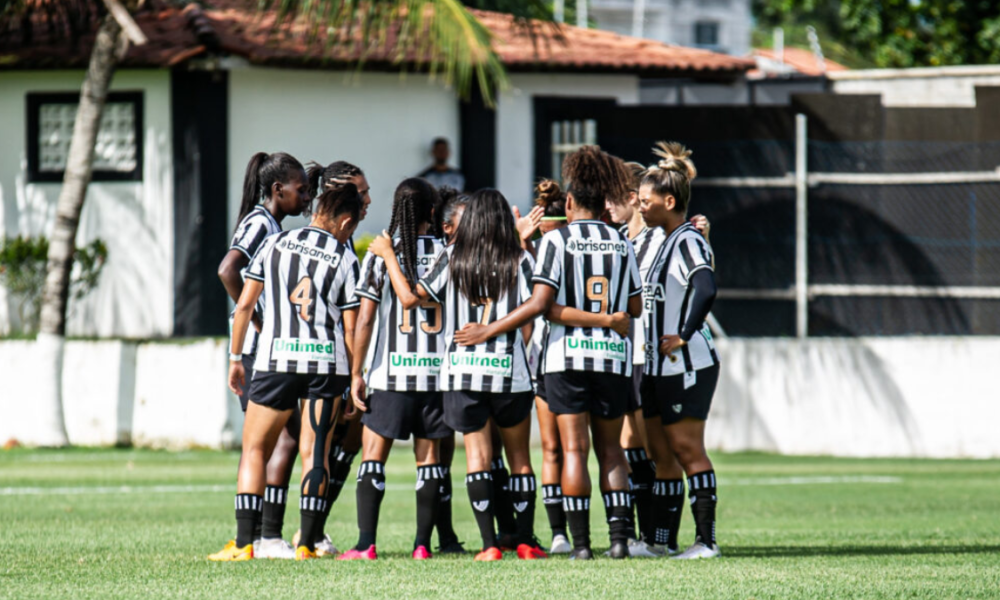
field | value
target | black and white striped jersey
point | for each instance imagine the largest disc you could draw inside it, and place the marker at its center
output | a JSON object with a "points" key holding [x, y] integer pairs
{"points": [[258, 225], [409, 344], [499, 365], [666, 295], [593, 268], [646, 243], [309, 280]]}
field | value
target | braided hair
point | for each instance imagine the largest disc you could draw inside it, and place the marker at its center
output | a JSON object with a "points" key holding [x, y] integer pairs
{"points": [[594, 177], [330, 176], [263, 171], [412, 206], [673, 174]]}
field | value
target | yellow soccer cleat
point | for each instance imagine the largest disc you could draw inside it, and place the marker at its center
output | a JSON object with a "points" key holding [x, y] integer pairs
{"points": [[303, 553], [230, 553]]}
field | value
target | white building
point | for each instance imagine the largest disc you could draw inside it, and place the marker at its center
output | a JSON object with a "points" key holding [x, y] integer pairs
{"points": [[717, 25]]}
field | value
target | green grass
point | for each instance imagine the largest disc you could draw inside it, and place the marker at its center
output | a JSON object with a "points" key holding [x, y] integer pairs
{"points": [[898, 529]]}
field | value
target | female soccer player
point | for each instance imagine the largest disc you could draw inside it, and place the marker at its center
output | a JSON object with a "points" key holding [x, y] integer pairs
{"points": [[590, 267], [280, 181], [403, 376], [488, 380], [307, 277], [682, 367]]}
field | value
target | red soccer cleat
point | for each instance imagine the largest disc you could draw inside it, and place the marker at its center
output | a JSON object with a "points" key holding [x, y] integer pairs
{"points": [[355, 554], [422, 553], [528, 552], [489, 555]]}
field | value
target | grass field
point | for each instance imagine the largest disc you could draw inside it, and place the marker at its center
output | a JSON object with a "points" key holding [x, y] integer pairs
{"points": [[788, 527]]}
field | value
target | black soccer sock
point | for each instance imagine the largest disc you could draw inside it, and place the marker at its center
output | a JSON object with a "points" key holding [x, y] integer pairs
{"points": [[443, 520], [429, 479], [668, 506], [702, 491], [523, 490], [248, 509], [480, 487], [370, 491], [311, 512], [340, 470], [552, 498], [642, 477], [618, 506], [273, 519], [578, 515], [503, 504]]}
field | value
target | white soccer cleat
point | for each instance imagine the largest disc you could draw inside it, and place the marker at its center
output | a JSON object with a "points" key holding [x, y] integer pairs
{"points": [[325, 547], [698, 551], [560, 545], [273, 548], [640, 549]]}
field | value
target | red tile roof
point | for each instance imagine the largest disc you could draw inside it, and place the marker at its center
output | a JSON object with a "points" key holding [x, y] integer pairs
{"points": [[799, 60], [229, 27]]}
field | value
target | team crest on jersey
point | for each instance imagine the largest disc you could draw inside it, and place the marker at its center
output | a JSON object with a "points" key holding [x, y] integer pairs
{"points": [[597, 247], [402, 364], [481, 363], [299, 349], [585, 347]]}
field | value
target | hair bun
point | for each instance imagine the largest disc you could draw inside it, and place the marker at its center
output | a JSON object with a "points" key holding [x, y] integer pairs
{"points": [[548, 191], [675, 157]]}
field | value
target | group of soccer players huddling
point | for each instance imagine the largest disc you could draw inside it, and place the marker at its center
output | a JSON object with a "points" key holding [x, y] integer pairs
{"points": [[462, 317]]}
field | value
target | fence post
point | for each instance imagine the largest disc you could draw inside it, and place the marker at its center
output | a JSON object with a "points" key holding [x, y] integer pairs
{"points": [[801, 231]]}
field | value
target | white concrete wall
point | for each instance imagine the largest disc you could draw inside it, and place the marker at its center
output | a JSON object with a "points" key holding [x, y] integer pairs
{"points": [[516, 123], [135, 219], [936, 87], [384, 123], [907, 397]]}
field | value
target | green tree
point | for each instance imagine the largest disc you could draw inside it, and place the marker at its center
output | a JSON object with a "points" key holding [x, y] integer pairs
{"points": [[457, 47], [895, 33]]}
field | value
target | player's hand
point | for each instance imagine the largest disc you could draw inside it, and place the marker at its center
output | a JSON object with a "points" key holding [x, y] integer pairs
{"points": [[358, 393], [237, 377], [527, 225], [670, 344], [472, 334], [621, 322], [702, 224], [381, 246]]}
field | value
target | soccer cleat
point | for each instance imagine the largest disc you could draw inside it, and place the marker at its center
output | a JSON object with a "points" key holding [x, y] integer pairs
{"points": [[489, 555], [560, 545], [304, 553], [698, 551], [355, 554], [422, 553], [452, 547], [581, 554], [273, 548], [230, 553], [618, 550], [530, 551], [640, 549], [325, 547]]}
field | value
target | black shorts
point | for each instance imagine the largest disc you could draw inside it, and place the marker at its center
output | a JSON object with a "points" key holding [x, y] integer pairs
{"points": [[665, 397], [282, 391], [398, 415], [603, 395], [540, 386], [634, 393], [466, 411], [248, 361]]}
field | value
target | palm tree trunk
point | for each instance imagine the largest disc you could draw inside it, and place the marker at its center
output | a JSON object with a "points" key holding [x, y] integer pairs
{"points": [[109, 48]]}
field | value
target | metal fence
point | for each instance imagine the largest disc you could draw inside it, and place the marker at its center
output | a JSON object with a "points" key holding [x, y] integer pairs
{"points": [[853, 238]]}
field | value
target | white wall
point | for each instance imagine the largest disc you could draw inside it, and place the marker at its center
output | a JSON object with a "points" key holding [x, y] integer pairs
{"points": [[516, 123], [672, 21], [383, 123], [135, 219], [935, 86]]}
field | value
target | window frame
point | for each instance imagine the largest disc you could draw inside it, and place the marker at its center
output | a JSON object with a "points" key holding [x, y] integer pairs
{"points": [[33, 104], [707, 22]]}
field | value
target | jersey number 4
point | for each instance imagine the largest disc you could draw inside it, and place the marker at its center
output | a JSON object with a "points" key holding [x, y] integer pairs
{"points": [[301, 296], [431, 326]]}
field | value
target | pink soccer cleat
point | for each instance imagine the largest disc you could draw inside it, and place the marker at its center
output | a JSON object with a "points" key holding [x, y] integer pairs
{"points": [[355, 554]]}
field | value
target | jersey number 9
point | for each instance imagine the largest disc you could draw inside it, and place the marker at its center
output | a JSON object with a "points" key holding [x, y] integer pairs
{"points": [[597, 291]]}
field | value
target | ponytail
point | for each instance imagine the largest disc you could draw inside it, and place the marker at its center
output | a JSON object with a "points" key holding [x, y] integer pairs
{"points": [[263, 171], [672, 174], [251, 186]]}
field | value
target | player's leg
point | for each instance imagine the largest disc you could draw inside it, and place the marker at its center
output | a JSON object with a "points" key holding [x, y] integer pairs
{"points": [[574, 437], [503, 505], [512, 413], [370, 492], [614, 482], [642, 470], [447, 539], [319, 413], [279, 474], [430, 476], [552, 496]]}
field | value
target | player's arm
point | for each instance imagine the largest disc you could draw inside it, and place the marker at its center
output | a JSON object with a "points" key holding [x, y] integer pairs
{"points": [[408, 297], [362, 338], [574, 317], [241, 318], [542, 297], [230, 268]]}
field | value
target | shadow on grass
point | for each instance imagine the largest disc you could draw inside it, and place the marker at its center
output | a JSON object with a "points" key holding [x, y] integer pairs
{"points": [[798, 551]]}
